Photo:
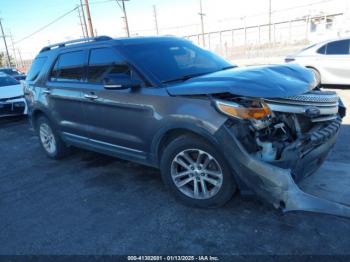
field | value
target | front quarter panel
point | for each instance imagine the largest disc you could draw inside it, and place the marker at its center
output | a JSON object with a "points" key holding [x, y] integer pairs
{"points": [[195, 114]]}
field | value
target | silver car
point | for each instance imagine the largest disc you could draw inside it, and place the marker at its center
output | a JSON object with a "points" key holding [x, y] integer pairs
{"points": [[330, 61]]}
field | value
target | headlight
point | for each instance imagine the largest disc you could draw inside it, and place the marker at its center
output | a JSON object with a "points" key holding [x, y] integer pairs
{"points": [[256, 109]]}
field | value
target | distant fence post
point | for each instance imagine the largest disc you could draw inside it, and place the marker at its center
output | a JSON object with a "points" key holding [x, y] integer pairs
{"points": [[232, 37]]}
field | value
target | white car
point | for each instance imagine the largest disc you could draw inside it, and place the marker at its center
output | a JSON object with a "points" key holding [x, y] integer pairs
{"points": [[12, 101], [330, 60]]}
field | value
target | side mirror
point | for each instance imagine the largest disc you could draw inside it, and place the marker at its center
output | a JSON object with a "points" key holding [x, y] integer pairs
{"points": [[120, 83]]}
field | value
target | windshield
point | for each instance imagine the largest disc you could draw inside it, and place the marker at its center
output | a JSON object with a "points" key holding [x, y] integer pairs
{"points": [[172, 60], [8, 81]]}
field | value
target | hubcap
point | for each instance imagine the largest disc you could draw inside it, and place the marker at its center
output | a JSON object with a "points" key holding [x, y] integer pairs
{"points": [[47, 138], [196, 174]]}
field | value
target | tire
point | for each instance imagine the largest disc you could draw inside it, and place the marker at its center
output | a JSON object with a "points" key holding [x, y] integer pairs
{"points": [[317, 74], [216, 191], [50, 141]]}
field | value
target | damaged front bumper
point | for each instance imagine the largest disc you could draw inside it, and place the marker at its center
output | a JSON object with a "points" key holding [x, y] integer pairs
{"points": [[12, 107], [275, 181]]}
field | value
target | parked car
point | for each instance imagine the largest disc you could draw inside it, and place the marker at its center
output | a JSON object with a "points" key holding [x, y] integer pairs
{"points": [[330, 61], [211, 127], [14, 73], [12, 101]]}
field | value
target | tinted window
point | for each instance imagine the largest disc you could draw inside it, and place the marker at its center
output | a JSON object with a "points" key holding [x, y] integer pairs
{"points": [[69, 67], [35, 68], [174, 59], [8, 81], [338, 48], [105, 64], [322, 50], [10, 71]]}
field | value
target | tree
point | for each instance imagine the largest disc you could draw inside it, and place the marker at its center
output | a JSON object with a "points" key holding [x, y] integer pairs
{"points": [[3, 60]]}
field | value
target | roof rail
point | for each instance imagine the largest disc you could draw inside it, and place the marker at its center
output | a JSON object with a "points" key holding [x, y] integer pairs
{"points": [[76, 41]]}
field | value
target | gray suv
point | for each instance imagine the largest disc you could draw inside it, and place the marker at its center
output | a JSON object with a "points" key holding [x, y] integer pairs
{"points": [[212, 128]]}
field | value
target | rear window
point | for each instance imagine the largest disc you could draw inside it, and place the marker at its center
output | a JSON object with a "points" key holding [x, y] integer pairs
{"points": [[338, 48], [69, 67], [37, 65], [322, 50]]}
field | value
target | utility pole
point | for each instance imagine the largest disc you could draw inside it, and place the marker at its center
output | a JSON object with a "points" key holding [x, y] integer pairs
{"points": [[89, 18], [202, 22], [80, 21], [125, 17], [270, 15], [13, 51], [155, 18], [84, 19], [20, 57], [7, 51]]}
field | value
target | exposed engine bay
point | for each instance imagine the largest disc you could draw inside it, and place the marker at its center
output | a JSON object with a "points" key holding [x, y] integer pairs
{"points": [[292, 136], [312, 116]]}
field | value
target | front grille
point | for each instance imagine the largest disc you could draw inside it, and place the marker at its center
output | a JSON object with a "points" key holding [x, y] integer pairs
{"points": [[315, 97], [318, 105]]}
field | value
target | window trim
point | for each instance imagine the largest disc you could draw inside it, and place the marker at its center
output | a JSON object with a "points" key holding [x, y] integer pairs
{"points": [[42, 67], [125, 62], [326, 51], [58, 55]]}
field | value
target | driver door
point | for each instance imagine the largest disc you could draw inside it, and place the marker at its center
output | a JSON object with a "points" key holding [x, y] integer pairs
{"points": [[113, 115]]}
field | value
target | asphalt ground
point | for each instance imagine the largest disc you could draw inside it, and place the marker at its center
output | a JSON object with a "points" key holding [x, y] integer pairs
{"points": [[92, 204]]}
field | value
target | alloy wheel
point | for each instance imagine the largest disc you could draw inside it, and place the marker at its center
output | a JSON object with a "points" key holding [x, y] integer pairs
{"points": [[47, 138], [196, 173]]}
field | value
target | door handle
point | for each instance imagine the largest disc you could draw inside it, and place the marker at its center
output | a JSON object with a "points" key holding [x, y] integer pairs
{"points": [[92, 97], [46, 91]]}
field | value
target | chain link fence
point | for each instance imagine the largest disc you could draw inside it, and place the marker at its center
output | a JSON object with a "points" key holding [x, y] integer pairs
{"points": [[265, 43]]}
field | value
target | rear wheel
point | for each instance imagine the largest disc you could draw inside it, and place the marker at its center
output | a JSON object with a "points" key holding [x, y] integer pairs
{"points": [[50, 141], [197, 173]]}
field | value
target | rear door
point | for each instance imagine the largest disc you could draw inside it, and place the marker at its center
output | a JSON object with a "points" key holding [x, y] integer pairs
{"points": [[64, 94], [335, 62]]}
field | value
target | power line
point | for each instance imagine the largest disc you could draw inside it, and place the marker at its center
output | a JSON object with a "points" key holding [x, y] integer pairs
{"points": [[274, 11], [47, 25]]}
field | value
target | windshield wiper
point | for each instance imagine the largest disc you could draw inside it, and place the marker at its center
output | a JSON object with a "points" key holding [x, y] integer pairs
{"points": [[184, 78]]}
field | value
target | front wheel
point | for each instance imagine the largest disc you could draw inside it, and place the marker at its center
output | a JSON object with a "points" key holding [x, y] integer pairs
{"points": [[197, 173], [50, 141]]}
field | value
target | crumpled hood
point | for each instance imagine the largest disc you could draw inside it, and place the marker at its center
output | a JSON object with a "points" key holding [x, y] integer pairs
{"points": [[11, 91], [253, 81]]}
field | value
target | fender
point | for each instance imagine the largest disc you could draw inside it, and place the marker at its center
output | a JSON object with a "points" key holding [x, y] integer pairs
{"points": [[200, 128]]}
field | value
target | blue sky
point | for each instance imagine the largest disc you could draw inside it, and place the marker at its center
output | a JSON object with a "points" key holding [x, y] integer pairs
{"points": [[178, 17]]}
